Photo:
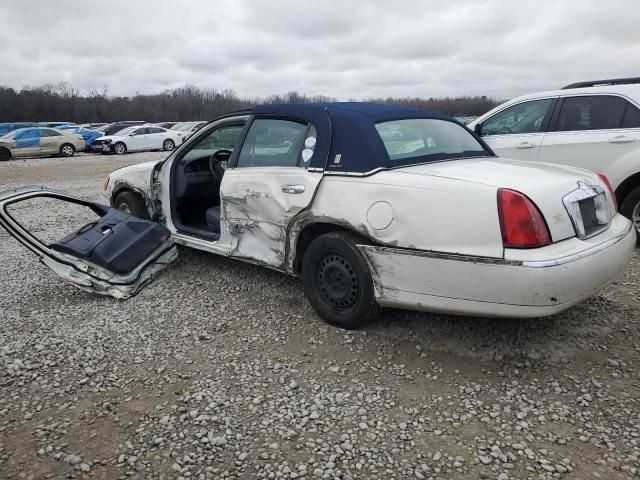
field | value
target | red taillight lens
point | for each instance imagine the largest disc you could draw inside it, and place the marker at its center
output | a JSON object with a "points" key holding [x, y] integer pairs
{"points": [[607, 183], [521, 222]]}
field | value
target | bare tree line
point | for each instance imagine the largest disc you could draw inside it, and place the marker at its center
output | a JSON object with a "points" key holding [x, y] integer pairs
{"points": [[63, 102]]}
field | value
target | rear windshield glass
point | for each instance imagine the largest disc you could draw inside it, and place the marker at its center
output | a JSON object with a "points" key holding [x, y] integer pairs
{"points": [[427, 139]]}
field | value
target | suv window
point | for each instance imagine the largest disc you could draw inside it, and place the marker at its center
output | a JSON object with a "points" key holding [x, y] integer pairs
{"points": [[526, 117], [225, 137], [274, 143], [631, 117], [597, 112]]}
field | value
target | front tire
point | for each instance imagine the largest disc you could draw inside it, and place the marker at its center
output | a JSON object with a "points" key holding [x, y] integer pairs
{"points": [[337, 281], [67, 150], [132, 204], [630, 208], [168, 145], [5, 155], [120, 148]]}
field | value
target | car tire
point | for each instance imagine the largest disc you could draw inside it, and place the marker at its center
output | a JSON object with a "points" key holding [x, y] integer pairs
{"points": [[119, 148], [67, 150], [337, 281], [4, 155], [131, 203], [630, 208], [168, 145]]}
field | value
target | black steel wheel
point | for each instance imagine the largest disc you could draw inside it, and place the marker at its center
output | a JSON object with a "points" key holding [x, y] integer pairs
{"points": [[337, 280]]}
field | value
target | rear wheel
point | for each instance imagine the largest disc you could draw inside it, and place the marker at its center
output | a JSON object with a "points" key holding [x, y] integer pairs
{"points": [[337, 281], [132, 204], [168, 145], [630, 208], [67, 150], [120, 148]]}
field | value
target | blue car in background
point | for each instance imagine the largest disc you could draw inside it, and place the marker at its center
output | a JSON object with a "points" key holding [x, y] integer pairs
{"points": [[10, 127], [87, 134]]}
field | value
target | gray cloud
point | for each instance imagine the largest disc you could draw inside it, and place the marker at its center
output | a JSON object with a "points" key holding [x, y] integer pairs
{"points": [[341, 48]]}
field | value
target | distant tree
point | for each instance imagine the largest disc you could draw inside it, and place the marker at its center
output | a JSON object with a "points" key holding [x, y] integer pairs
{"points": [[63, 102]]}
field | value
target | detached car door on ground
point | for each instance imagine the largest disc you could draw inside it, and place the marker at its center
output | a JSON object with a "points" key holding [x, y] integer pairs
{"points": [[116, 254]]}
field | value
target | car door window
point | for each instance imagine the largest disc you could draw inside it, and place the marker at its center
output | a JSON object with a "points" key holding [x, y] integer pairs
{"points": [[139, 131], [222, 138], [154, 130], [631, 117], [28, 138], [276, 143], [45, 132], [597, 112], [526, 117]]}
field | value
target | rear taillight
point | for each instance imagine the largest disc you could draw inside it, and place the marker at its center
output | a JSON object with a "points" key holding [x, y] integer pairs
{"points": [[607, 183], [521, 222]]}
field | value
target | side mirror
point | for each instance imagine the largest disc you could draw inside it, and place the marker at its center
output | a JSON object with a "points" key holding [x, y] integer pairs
{"points": [[478, 129]]}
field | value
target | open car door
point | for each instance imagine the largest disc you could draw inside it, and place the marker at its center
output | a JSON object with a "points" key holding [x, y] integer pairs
{"points": [[114, 255]]}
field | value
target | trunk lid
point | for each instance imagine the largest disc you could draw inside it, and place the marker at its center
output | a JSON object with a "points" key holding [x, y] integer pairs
{"points": [[548, 186]]}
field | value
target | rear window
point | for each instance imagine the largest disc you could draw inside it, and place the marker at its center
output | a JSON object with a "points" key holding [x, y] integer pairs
{"points": [[427, 139]]}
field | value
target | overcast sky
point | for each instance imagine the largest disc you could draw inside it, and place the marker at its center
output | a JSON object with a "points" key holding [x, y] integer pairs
{"points": [[341, 48]]}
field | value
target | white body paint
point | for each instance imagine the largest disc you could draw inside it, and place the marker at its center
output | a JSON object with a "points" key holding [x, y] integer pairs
{"points": [[434, 230]]}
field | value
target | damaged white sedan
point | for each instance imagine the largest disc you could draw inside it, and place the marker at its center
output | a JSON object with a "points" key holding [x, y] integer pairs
{"points": [[379, 206]]}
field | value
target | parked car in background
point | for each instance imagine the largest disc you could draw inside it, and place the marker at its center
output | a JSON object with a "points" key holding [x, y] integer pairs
{"points": [[185, 129], [55, 124], [10, 127], [137, 138], [93, 126], [165, 124], [115, 127], [593, 125], [39, 141], [87, 134], [465, 120], [371, 206]]}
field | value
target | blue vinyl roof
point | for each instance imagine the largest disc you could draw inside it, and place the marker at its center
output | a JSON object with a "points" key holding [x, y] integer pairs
{"points": [[347, 140]]}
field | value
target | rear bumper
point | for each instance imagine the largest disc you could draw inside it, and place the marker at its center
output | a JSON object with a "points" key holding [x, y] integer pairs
{"points": [[526, 283]]}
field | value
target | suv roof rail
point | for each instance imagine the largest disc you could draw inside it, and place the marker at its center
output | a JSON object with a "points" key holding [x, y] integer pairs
{"points": [[597, 83]]}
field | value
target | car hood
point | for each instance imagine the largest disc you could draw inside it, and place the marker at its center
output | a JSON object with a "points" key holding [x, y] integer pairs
{"points": [[113, 138], [140, 168]]}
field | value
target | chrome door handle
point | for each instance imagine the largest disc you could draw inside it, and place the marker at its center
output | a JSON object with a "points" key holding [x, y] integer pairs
{"points": [[292, 188], [525, 145], [622, 139]]}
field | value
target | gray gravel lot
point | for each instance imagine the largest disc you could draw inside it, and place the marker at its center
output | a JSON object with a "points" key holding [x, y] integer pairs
{"points": [[220, 369]]}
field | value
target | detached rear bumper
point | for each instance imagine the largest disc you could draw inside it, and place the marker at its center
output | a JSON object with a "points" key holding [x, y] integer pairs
{"points": [[526, 283]]}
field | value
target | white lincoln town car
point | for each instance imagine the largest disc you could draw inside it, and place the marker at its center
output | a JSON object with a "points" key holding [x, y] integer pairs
{"points": [[371, 205]]}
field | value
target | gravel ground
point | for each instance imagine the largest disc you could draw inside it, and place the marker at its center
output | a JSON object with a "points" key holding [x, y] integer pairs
{"points": [[219, 369]]}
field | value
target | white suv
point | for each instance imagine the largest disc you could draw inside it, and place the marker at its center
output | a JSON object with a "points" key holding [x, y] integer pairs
{"points": [[593, 125]]}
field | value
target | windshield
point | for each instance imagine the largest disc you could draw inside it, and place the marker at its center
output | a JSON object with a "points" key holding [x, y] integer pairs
{"points": [[186, 126], [10, 134], [427, 139], [102, 128]]}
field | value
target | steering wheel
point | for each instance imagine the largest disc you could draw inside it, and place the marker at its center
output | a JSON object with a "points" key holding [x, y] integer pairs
{"points": [[215, 166]]}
